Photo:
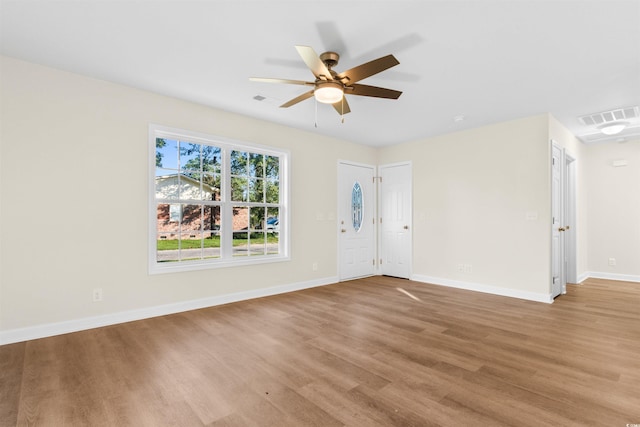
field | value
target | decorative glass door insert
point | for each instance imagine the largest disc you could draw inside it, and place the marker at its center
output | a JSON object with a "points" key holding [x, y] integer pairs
{"points": [[356, 206]]}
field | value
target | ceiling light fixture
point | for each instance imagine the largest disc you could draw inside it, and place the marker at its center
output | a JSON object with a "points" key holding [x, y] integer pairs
{"points": [[613, 128], [328, 92]]}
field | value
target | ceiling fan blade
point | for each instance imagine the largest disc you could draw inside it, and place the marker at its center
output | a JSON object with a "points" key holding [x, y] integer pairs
{"points": [[378, 92], [297, 99], [368, 69], [291, 82], [340, 105], [311, 58]]}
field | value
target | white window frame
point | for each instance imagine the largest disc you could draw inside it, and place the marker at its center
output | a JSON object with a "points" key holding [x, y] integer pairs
{"points": [[226, 145]]}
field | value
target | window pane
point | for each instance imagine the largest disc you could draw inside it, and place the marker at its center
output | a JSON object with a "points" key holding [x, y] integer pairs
{"points": [[164, 214], [190, 156], [210, 187], [190, 246], [211, 220], [240, 219], [175, 212], [211, 244], [238, 163], [191, 218], [167, 184], [273, 246], [167, 248], [256, 191], [211, 159], [257, 243], [273, 167], [190, 188], [256, 165], [257, 218], [273, 192], [240, 245], [167, 153], [239, 189], [240, 231], [272, 224]]}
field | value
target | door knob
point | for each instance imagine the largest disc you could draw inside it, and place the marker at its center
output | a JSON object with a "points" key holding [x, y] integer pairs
{"points": [[566, 227], [406, 227], [344, 230], [561, 229]]}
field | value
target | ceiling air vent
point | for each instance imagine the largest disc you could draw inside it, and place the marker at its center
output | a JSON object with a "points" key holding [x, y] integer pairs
{"points": [[604, 117]]}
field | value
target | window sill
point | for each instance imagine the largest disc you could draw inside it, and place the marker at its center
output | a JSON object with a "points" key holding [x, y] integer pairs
{"points": [[182, 266]]}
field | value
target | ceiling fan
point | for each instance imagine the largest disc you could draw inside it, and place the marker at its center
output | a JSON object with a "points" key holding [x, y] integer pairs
{"points": [[330, 86]]}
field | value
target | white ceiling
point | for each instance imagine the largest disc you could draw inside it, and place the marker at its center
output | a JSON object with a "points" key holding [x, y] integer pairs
{"points": [[489, 61]]}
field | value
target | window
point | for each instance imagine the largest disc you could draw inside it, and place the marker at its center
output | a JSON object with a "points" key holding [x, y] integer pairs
{"points": [[214, 202]]}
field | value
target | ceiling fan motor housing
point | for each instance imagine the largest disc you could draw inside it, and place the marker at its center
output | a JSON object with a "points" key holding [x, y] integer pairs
{"points": [[330, 59]]}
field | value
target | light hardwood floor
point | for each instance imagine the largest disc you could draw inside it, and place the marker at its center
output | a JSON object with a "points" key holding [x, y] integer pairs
{"points": [[359, 353]]}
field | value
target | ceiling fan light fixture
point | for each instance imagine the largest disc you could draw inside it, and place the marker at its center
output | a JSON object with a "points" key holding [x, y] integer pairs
{"points": [[613, 128], [328, 92]]}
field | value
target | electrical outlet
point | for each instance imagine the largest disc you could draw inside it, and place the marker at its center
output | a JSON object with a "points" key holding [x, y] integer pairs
{"points": [[97, 294], [314, 266], [612, 261]]}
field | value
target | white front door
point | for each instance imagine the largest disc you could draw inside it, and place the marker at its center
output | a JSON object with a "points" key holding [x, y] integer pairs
{"points": [[356, 220], [558, 283], [395, 220]]}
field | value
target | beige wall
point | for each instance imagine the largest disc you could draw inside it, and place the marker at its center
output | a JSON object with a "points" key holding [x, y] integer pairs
{"points": [[73, 157], [472, 191], [74, 162], [614, 209]]}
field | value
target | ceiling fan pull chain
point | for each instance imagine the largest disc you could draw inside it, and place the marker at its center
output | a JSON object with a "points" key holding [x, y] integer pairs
{"points": [[316, 121], [342, 110]]}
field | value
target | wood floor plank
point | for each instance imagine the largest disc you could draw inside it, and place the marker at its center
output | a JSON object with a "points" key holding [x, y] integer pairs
{"points": [[378, 351], [11, 373]]}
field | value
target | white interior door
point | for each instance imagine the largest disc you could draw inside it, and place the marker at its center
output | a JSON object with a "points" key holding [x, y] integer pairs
{"points": [[356, 220], [395, 220], [570, 243], [558, 282]]}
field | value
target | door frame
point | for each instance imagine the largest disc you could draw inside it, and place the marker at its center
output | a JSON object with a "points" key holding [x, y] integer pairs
{"points": [[567, 211], [374, 248], [409, 164]]}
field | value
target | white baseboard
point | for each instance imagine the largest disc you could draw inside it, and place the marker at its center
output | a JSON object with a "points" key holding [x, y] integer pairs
{"points": [[495, 290], [584, 276], [611, 276], [51, 329]]}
